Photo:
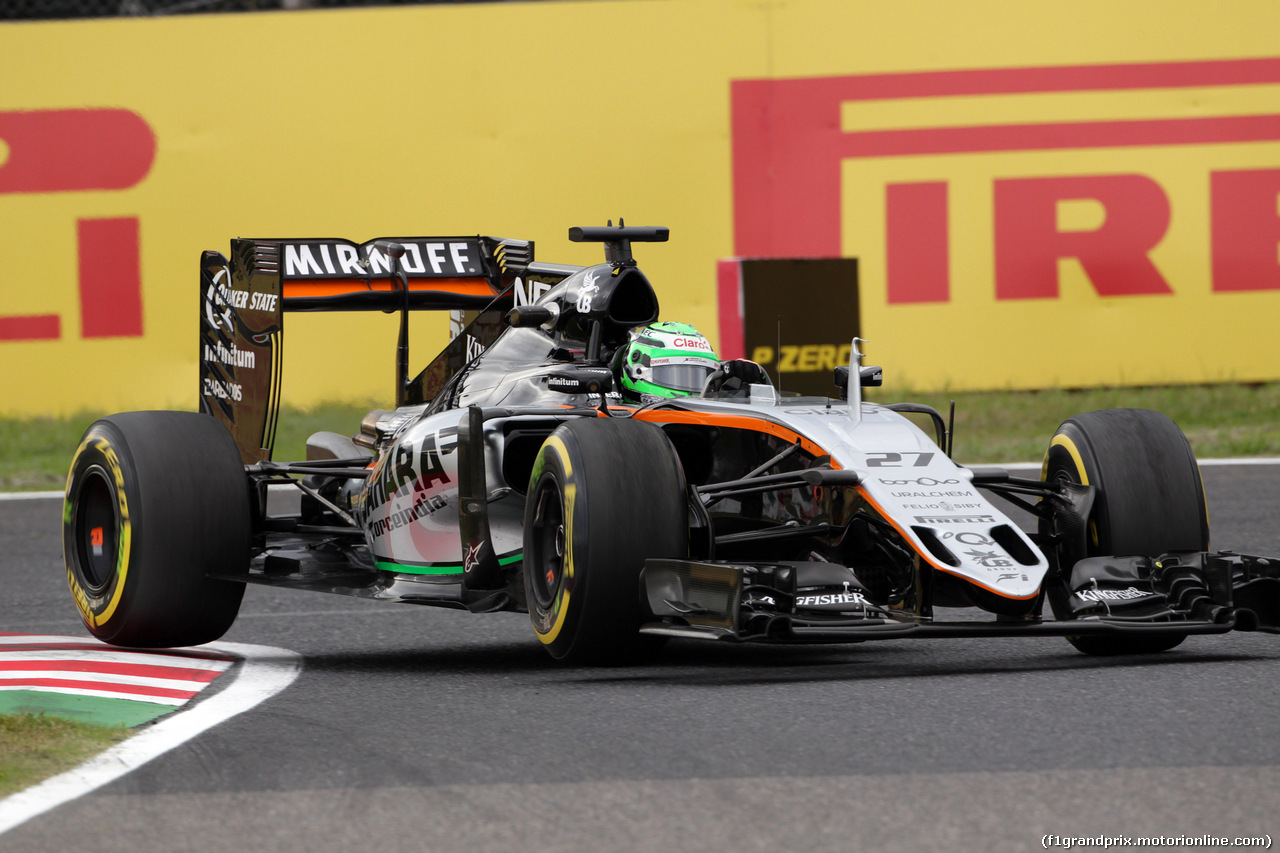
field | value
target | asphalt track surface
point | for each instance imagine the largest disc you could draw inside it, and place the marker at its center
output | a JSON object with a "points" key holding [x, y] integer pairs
{"points": [[417, 729]]}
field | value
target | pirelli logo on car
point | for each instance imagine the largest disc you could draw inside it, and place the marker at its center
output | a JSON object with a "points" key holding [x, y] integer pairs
{"points": [[344, 259]]}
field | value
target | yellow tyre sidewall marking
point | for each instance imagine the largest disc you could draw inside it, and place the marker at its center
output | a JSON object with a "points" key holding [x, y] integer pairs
{"points": [[98, 610], [560, 608], [1068, 445]]}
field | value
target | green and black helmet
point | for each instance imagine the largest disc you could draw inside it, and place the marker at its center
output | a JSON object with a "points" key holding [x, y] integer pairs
{"points": [[665, 359]]}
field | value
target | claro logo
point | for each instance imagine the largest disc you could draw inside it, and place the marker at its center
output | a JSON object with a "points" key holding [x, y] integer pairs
{"points": [[791, 142], [88, 150]]}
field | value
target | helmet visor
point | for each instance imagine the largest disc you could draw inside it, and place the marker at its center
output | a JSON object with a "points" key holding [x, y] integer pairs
{"points": [[686, 377]]}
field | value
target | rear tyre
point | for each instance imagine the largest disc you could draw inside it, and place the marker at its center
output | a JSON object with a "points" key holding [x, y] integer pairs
{"points": [[1148, 498], [155, 501], [604, 496]]}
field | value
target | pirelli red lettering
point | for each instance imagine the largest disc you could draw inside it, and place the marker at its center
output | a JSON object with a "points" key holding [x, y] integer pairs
{"points": [[920, 266], [788, 147], [1245, 226], [1115, 255], [78, 150]]}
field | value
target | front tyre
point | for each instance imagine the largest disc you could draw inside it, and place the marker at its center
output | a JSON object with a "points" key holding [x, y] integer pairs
{"points": [[155, 501], [1148, 498], [604, 495]]}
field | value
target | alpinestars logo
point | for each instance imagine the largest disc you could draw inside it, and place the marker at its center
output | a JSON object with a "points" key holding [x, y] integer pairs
{"points": [[471, 558]]}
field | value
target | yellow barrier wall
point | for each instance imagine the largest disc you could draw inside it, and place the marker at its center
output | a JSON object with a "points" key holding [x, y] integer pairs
{"points": [[521, 120]]}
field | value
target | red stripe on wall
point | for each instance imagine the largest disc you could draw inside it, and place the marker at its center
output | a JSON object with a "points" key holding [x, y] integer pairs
{"points": [[34, 327], [62, 150], [917, 243], [1056, 78], [1045, 137], [729, 303], [110, 278]]}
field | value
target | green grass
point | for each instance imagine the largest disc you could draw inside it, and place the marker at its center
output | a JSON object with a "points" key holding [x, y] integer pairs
{"points": [[34, 747], [1015, 426], [296, 424], [36, 452]]}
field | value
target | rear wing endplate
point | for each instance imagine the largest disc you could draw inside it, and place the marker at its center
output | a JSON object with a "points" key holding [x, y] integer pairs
{"points": [[243, 299]]}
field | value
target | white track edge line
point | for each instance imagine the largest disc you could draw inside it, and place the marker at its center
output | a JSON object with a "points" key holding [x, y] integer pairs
{"points": [[266, 671]]}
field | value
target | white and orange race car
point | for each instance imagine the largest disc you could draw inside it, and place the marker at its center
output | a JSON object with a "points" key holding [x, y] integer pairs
{"points": [[510, 476]]}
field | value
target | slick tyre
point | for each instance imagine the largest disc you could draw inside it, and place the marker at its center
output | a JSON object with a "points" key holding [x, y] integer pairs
{"points": [[155, 502], [604, 496], [1148, 498]]}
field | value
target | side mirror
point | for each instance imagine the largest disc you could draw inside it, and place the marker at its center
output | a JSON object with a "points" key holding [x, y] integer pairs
{"points": [[871, 377], [736, 378], [534, 315]]}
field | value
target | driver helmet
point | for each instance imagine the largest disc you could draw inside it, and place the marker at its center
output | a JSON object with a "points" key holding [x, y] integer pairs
{"points": [[663, 360]]}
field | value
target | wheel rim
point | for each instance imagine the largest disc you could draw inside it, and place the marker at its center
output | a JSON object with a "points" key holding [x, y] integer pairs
{"points": [[546, 572], [1068, 474], [96, 530]]}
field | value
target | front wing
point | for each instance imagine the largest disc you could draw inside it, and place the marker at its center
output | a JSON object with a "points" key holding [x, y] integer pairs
{"points": [[1183, 593]]}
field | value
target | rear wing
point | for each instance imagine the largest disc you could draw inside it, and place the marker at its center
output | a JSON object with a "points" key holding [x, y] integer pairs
{"points": [[243, 300]]}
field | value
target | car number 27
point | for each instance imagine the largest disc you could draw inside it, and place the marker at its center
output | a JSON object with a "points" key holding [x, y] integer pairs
{"points": [[920, 459]]}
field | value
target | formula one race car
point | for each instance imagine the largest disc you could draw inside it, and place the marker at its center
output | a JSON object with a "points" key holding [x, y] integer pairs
{"points": [[512, 476]]}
